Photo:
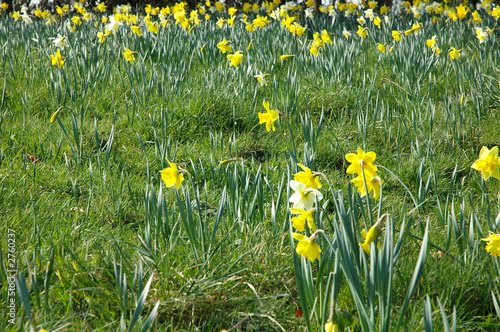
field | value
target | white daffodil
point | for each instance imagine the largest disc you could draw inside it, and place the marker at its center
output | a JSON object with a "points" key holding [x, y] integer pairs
{"points": [[304, 197]]}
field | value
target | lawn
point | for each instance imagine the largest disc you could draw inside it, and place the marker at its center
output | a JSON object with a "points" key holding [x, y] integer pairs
{"points": [[265, 168]]}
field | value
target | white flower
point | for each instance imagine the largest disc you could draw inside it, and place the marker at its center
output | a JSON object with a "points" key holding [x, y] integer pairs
{"points": [[386, 19], [113, 24], [61, 42], [26, 19], [361, 20], [346, 33], [309, 12], [304, 197]]}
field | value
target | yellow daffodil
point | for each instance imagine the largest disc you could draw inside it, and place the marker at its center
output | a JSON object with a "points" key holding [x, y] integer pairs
{"points": [[299, 222], [136, 30], [381, 47], [415, 27], [373, 183], [431, 42], [396, 35], [224, 46], [362, 32], [129, 55], [454, 53], [493, 245], [372, 235], [326, 37], [307, 177], [269, 117], [235, 59], [488, 163], [57, 59], [377, 21], [285, 57], [307, 246], [102, 37], [171, 176], [359, 160], [330, 327]]}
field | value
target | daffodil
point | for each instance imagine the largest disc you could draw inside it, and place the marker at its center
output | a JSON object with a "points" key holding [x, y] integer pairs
{"points": [[373, 234], [362, 32], [136, 30], [454, 53], [61, 42], [224, 46], [381, 47], [129, 55], [304, 197], [488, 163], [171, 176], [493, 245], [269, 117], [307, 246], [235, 59], [307, 177], [330, 327], [431, 42], [373, 183], [261, 78], [346, 33], [102, 37], [396, 35], [361, 160], [299, 222], [57, 59], [285, 57]]}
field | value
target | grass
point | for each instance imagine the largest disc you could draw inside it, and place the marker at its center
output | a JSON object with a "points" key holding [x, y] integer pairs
{"points": [[102, 244]]}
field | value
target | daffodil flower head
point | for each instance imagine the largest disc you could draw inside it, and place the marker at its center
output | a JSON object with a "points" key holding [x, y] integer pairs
{"points": [[330, 327], [493, 245], [171, 176], [381, 48], [129, 55], [454, 53], [361, 160], [307, 246], [57, 59], [373, 183], [307, 177], [285, 57], [299, 222], [304, 197], [235, 59], [362, 32], [269, 117], [488, 163], [61, 42], [373, 234], [396, 35], [224, 46], [261, 78]]}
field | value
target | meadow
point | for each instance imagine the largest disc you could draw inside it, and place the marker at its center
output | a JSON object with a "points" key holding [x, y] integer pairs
{"points": [[251, 168]]}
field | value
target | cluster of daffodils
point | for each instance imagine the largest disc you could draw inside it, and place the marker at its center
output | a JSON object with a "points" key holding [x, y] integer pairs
{"points": [[489, 166], [235, 58], [319, 42], [61, 42], [305, 186], [367, 180]]}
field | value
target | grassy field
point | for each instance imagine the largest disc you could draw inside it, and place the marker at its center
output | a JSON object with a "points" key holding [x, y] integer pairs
{"points": [[93, 109]]}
